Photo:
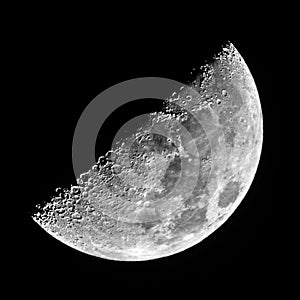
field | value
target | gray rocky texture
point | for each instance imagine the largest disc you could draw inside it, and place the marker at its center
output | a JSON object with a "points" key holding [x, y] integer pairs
{"points": [[174, 182]]}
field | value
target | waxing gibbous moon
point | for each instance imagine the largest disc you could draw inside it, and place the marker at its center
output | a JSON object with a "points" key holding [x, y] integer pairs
{"points": [[176, 180]]}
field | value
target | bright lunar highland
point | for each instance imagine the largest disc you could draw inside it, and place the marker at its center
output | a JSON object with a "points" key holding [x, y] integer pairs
{"points": [[174, 181]]}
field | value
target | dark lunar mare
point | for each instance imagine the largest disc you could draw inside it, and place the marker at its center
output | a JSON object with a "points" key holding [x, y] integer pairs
{"points": [[229, 194]]}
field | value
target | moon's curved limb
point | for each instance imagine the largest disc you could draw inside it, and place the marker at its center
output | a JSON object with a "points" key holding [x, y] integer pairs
{"points": [[225, 99]]}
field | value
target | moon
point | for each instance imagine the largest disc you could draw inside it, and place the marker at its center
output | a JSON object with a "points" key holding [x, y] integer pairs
{"points": [[176, 180]]}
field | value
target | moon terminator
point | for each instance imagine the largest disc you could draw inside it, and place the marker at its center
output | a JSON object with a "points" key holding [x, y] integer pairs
{"points": [[174, 182]]}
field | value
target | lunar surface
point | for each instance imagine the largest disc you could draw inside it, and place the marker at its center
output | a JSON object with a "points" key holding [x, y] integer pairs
{"points": [[173, 182]]}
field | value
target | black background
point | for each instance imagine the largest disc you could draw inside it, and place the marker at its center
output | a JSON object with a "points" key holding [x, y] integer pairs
{"points": [[63, 69]]}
